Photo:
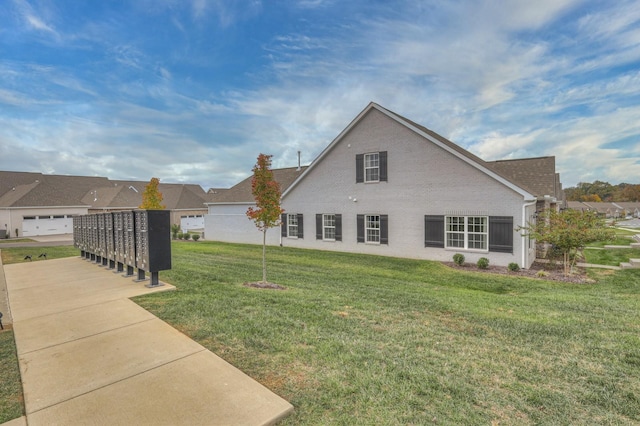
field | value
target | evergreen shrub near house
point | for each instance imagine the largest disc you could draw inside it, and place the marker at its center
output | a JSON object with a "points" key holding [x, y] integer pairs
{"points": [[175, 228], [483, 263], [513, 267], [187, 236], [458, 259], [196, 237], [180, 235]]}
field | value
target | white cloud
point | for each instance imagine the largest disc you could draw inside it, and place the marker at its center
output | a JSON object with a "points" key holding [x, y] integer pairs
{"points": [[34, 19], [504, 79]]}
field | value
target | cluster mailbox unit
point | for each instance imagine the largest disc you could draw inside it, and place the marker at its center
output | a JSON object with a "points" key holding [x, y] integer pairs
{"points": [[139, 239]]}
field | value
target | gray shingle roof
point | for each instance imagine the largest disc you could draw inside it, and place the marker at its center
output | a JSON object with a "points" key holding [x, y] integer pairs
{"points": [[536, 175], [20, 189], [241, 192], [46, 190]]}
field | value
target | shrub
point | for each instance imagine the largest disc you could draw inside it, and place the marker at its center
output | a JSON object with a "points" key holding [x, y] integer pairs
{"points": [[175, 228], [513, 267], [541, 274], [196, 237], [187, 236], [483, 263], [180, 235], [458, 259]]}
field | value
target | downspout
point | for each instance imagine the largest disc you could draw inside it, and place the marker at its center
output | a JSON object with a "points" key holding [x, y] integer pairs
{"points": [[525, 249]]}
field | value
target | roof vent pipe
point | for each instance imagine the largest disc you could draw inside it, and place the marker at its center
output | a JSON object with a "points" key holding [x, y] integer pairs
{"points": [[298, 169]]}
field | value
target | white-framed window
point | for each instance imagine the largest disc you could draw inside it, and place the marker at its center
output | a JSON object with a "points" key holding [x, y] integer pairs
{"points": [[372, 229], [292, 225], [466, 232], [329, 227], [372, 167]]}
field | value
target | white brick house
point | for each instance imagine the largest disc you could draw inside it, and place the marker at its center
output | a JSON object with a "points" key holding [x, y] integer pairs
{"points": [[391, 187]]}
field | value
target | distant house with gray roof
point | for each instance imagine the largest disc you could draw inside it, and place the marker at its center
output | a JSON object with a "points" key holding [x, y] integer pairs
{"points": [[39, 204], [609, 210]]}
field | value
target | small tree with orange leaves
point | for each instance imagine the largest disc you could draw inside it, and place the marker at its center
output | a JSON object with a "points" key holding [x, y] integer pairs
{"points": [[151, 197], [266, 192]]}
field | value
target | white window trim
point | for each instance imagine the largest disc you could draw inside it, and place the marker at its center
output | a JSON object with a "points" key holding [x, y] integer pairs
{"points": [[290, 225], [466, 234], [366, 156], [367, 228], [325, 227]]}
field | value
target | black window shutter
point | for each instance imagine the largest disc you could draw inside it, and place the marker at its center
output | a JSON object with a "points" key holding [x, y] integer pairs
{"points": [[300, 226], [359, 168], [382, 156], [283, 225], [338, 227], [318, 226], [433, 231], [384, 229], [360, 224], [501, 234]]}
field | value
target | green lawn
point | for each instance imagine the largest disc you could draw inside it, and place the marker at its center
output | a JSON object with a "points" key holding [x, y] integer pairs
{"points": [[374, 340], [17, 254], [359, 339], [621, 239], [611, 256], [11, 402]]}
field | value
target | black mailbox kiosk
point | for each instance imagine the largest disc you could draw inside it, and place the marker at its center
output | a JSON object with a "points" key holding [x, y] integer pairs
{"points": [[153, 242], [137, 238]]}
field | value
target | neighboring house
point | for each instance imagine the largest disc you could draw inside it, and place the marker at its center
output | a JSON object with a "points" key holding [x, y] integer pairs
{"points": [[33, 204], [389, 186], [629, 208], [37, 204], [227, 219], [609, 210]]}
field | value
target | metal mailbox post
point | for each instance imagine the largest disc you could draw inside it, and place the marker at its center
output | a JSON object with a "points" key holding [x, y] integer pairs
{"points": [[129, 242], [109, 240], [93, 236], [118, 240]]}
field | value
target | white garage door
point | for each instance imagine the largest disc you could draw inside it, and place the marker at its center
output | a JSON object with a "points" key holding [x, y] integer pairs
{"points": [[188, 223], [33, 226]]}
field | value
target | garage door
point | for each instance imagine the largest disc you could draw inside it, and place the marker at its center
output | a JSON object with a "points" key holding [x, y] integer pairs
{"points": [[188, 223], [33, 226]]}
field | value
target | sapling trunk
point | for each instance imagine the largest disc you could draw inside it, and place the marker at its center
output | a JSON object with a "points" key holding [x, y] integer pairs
{"points": [[264, 255]]}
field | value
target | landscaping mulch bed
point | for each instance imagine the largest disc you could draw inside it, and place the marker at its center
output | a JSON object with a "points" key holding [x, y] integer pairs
{"points": [[552, 272]]}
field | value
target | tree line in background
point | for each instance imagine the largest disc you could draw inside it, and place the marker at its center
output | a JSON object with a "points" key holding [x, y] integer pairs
{"points": [[603, 191]]}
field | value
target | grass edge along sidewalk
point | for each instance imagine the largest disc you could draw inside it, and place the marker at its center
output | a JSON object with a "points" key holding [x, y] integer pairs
{"points": [[398, 341], [11, 398]]}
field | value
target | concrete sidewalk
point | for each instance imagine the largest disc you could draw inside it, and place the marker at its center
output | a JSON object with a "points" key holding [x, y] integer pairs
{"points": [[89, 355]]}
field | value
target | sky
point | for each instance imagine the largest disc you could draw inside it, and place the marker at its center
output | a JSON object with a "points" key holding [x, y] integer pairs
{"points": [[191, 91]]}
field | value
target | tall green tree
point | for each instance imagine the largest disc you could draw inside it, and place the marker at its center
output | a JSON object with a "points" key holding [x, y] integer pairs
{"points": [[569, 231], [152, 197], [266, 192]]}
